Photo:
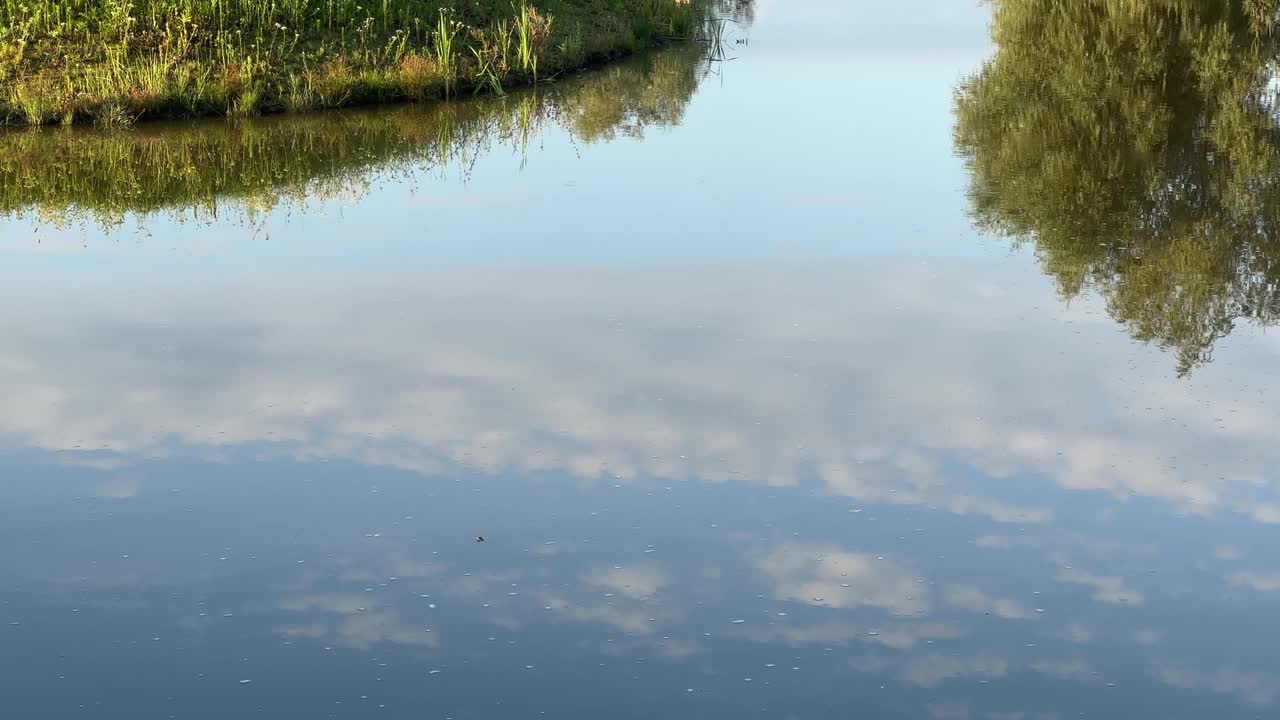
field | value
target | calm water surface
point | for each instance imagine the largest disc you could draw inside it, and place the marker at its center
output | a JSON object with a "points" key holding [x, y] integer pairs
{"points": [[839, 378]]}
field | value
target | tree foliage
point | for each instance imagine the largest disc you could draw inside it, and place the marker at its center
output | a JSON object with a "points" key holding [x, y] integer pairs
{"points": [[1135, 144]]}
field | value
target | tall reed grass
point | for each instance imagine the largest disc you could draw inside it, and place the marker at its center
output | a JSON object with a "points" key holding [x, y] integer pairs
{"points": [[114, 61]]}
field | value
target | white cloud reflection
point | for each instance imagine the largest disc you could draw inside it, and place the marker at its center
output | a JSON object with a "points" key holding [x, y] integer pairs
{"points": [[1261, 582], [832, 577], [933, 670], [968, 597], [1106, 588], [890, 383], [1251, 687], [898, 636], [638, 582], [352, 620], [1065, 669]]}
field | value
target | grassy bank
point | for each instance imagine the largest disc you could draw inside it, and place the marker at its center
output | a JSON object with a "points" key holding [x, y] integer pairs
{"points": [[113, 62]]}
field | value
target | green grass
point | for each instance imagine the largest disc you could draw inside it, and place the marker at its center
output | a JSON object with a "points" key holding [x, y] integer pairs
{"points": [[117, 61]]}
